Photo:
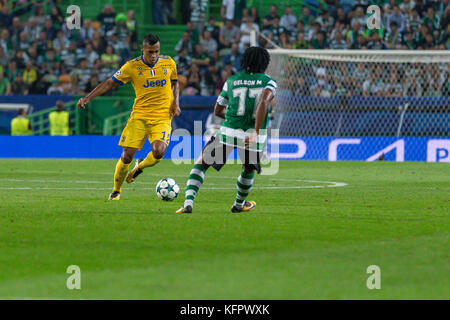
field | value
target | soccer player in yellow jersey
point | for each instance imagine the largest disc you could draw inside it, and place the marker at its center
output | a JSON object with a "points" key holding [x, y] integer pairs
{"points": [[154, 79]]}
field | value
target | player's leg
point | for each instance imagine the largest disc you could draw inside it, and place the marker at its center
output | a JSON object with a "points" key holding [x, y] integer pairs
{"points": [[213, 154], [195, 181], [159, 137], [121, 171], [244, 183], [132, 139]]}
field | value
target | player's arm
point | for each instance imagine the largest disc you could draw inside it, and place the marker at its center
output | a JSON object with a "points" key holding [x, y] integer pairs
{"points": [[176, 98], [219, 110], [261, 111], [99, 90]]}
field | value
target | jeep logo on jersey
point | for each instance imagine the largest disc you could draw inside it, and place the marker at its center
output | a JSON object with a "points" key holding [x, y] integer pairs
{"points": [[157, 83]]}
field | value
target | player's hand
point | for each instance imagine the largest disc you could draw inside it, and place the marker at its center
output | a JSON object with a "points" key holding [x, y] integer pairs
{"points": [[250, 140], [175, 110], [82, 103]]}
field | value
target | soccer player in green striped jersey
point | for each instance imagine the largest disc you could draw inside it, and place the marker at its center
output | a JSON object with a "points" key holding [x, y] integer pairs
{"points": [[243, 103]]}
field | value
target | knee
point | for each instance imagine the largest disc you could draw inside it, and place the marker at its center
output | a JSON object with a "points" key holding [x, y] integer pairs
{"points": [[158, 152], [247, 169], [126, 158]]}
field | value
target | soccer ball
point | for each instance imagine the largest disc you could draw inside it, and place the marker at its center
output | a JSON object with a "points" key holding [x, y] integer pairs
{"points": [[167, 189]]}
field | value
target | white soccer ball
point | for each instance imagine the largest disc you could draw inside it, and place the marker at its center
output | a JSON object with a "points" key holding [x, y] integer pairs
{"points": [[167, 189]]}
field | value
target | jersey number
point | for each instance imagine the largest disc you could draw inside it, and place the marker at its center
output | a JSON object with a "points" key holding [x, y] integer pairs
{"points": [[254, 93]]}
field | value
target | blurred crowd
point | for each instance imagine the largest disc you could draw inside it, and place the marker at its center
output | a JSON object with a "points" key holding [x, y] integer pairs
{"points": [[42, 56], [210, 51]]}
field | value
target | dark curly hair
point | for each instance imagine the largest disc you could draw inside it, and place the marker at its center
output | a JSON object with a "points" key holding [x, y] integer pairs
{"points": [[255, 60]]}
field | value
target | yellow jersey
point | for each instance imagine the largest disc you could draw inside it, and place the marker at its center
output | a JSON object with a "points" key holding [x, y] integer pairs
{"points": [[152, 85]]}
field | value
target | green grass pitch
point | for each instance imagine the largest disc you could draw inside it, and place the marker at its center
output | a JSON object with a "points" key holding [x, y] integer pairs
{"points": [[304, 240]]}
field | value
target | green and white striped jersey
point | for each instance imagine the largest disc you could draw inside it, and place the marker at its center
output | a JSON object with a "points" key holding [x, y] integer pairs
{"points": [[241, 94]]}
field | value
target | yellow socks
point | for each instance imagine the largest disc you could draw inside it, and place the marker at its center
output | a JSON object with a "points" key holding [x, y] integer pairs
{"points": [[149, 161], [120, 174]]}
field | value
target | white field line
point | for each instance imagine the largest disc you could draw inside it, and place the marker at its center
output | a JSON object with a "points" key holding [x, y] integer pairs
{"points": [[322, 184]]}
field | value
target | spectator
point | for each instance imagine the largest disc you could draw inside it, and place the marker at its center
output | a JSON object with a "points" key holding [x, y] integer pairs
{"points": [[61, 43], [307, 18], [32, 29], [359, 17], [269, 19], [193, 80], [30, 74], [234, 10], [412, 84], [18, 86], [409, 42], [20, 125], [70, 56], [200, 58], [110, 59], [120, 29], [255, 15], [5, 85], [107, 19], [338, 42], [86, 31], [233, 58], [185, 43], [40, 17], [183, 61], [276, 31], [23, 42], [193, 33], [98, 43], [393, 39], [413, 21], [346, 5], [185, 11], [321, 88], [92, 83], [301, 43], [319, 42], [198, 14], [57, 18], [432, 20], [374, 38], [313, 32], [80, 77], [342, 17], [132, 27], [210, 45], [407, 6], [399, 18], [4, 58], [326, 21], [59, 120], [49, 30], [12, 71], [213, 28], [301, 89], [288, 21], [91, 56], [247, 27], [393, 88], [373, 86], [5, 18], [229, 34]]}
